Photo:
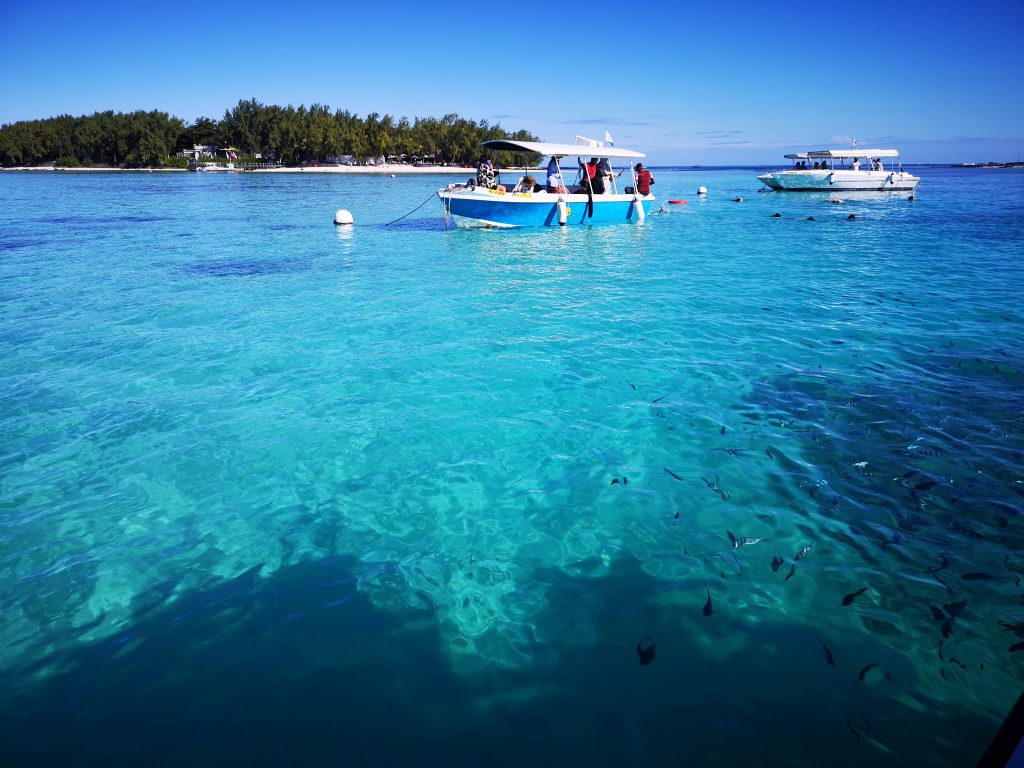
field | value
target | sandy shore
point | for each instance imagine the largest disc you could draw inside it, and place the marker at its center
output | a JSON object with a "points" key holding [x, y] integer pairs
{"points": [[378, 170], [387, 169]]}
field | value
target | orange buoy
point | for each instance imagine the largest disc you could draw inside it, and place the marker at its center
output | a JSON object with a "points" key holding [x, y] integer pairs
{"points": [[677, 202]]}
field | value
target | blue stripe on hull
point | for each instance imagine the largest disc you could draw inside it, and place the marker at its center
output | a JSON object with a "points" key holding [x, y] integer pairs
{"points": [[542, 213]]}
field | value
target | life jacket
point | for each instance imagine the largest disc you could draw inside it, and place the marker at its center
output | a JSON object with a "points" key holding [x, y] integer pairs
{"points": [[644, 179]]}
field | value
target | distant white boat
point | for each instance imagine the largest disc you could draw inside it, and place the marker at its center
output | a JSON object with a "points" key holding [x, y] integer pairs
{"points": [[217, 167], [842, 170], [230, 155]]}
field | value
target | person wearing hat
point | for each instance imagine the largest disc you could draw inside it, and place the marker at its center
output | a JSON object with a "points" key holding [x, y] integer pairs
{"points": [[644, 179]]}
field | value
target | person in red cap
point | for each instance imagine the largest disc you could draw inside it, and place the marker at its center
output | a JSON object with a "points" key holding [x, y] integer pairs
{"points": [[644, 179]]}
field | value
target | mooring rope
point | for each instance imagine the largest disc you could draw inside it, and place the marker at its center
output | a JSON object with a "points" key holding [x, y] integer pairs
{"points": [[431, 197]]}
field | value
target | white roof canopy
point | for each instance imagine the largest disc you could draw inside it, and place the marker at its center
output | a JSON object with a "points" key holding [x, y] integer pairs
{"points": [[855, 152], [797, 156], [558, 150]]}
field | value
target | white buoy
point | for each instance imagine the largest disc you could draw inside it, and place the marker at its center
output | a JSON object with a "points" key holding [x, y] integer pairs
{"points": [[639, 208], [702, 190], [392, 175], [562, 212], [343, 217]]}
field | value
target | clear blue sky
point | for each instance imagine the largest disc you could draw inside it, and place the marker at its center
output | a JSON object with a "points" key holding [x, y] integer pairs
{"points": [[690, 83]]}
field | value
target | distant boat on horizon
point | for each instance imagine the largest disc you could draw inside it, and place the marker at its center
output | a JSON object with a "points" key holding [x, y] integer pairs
{"points": [[831, 172]]}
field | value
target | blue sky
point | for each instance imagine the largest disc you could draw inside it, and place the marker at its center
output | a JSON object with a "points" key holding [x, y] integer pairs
{"points": [[689, 83]]}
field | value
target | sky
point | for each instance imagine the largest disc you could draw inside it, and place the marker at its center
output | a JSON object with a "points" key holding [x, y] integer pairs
{"points": [[707, 83]]}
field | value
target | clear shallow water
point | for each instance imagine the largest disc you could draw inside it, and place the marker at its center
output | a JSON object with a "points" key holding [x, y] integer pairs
{"points": [[273, 490]]}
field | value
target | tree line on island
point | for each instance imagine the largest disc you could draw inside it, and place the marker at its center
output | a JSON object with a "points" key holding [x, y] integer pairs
{"points": [[286, 135]]}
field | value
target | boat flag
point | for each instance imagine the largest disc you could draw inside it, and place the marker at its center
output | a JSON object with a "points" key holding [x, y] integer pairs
{"points": [[608, 139]]}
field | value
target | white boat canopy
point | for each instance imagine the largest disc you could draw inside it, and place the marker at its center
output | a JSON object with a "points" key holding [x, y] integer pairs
{"points": [[856, 152], [797, 156], [558, 150]]}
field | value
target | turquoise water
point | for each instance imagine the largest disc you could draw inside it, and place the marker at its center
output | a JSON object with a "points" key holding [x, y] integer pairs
{"points": [[273, 491]]}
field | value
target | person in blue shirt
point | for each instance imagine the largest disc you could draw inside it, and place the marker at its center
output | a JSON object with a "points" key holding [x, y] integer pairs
{"points": [[554, 180]]}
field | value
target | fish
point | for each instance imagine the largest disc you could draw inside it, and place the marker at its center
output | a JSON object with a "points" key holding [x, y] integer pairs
{"points": [[979, 577], [792, 572], [645, 649], [1017, 629], [776, 562], [867, 669], [854, 726], [955, 609], [854, 595], [828, 654], [715, 487], [802, 552], [615, 481], [742, 541], [707, 606], [722, 430], [963, 530], [731, 559], [1017, 647], [658, 400], [677, 477]]}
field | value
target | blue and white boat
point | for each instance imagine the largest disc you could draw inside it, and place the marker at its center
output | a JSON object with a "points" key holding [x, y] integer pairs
{"points": [[469, 205]]}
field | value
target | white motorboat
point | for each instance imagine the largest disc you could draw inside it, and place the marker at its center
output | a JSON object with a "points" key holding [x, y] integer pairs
{"points": [[230, 155], [842, 170]]}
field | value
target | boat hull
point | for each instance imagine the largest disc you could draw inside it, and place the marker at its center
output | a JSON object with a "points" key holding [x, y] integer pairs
{"points": [[840, 181], [488, 208]]}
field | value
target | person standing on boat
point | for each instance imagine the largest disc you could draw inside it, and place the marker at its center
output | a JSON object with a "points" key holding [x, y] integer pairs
{"points": [[554, 180], [595, 176], [644, 179], [605, 173], [855, 165]]}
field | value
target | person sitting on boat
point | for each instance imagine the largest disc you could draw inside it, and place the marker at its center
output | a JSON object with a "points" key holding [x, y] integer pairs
{"points": [[485, 176], [554, 180], [876, 164], [526, 184], [644, 179], [855, 165]]}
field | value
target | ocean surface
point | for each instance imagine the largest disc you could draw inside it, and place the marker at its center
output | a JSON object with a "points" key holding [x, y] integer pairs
{"points": [[278, 492]]}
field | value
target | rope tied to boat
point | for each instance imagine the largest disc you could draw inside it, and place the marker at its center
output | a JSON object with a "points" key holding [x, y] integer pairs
{"points": [[429, 198]]}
